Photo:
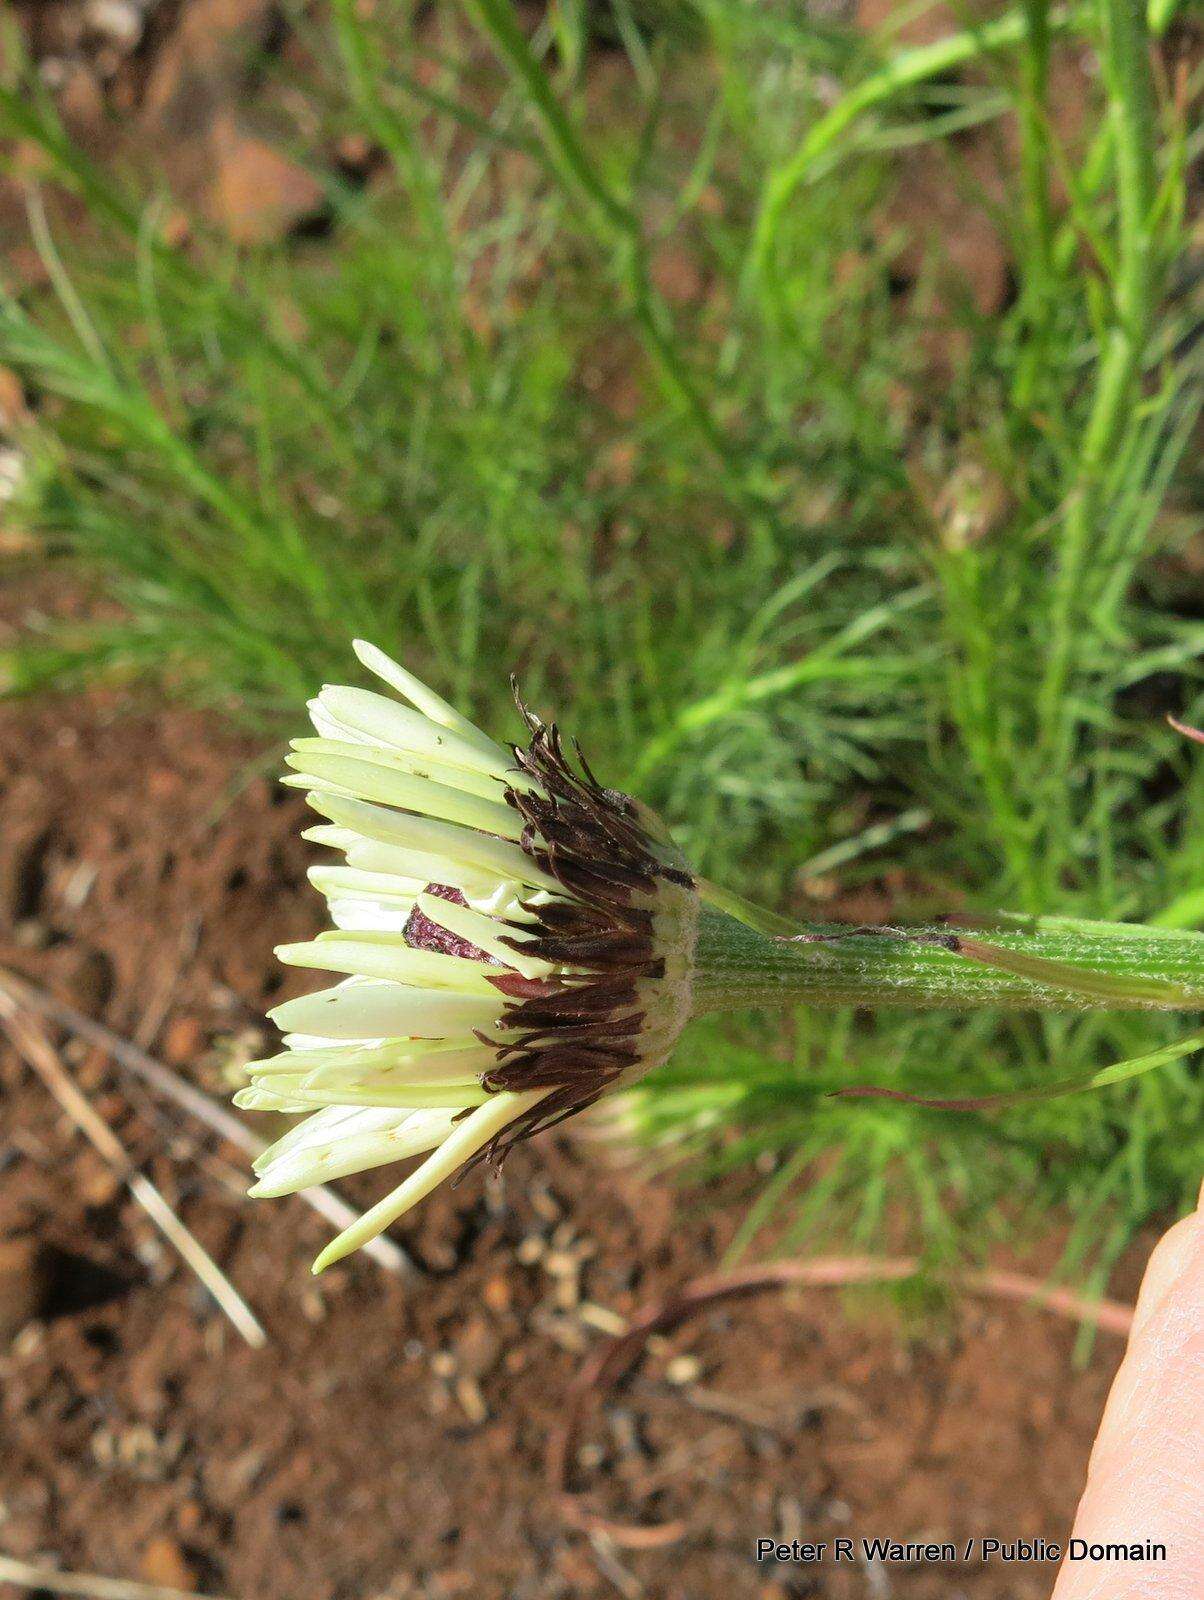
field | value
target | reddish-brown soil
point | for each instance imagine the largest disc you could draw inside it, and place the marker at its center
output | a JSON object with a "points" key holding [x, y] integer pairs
{"points": [[390, 1439]]}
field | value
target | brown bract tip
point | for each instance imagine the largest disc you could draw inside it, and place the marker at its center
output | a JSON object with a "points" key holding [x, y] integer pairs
{"points": [[579, 1034]]}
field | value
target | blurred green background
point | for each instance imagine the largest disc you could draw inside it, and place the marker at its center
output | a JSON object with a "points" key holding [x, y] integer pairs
{"points": [[805, 404]]}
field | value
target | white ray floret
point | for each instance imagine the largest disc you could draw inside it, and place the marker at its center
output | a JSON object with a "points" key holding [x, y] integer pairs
{"points": [[346, 775], [464, 1141], [501, 858], [485, 932], [361, 717], [342, 1140], [427, 701], [373, 1008], [420, 1062], [388, 956], [393, 1054], [484, 785]]}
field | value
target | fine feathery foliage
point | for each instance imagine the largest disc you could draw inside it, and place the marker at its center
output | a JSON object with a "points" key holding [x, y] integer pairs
{"points": [[605, 375]]}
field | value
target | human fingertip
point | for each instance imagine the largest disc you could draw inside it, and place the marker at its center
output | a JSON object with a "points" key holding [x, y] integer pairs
{"points": [[1171, 1259]]}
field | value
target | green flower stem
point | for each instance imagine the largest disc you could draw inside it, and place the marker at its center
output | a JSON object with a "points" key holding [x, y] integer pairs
{"points": [[1033, 116], [618, 226], [1128, 78], [1049, 964], [904, 71]]}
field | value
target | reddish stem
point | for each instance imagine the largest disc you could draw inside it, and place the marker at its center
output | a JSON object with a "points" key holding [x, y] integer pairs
{"points": [[611, 1361]]}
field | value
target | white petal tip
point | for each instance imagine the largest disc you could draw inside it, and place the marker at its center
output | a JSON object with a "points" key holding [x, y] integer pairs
{"points": [[367, 652], [263, 1190]]}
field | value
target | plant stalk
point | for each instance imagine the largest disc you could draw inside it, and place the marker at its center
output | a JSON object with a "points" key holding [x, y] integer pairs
{"points": [[906, 70], [1034, 167], [1017, 963], [1130, 87], [617, 225]]}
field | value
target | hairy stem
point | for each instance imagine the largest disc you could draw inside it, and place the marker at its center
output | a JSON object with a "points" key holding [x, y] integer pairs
{"points": [[1049, 964], [618, 225], [1129, 81], [1038, 221], [904, 71]]}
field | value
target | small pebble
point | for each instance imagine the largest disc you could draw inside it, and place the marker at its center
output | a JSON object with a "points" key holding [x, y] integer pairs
{"points": [[118, 21], [530, 1250], [164, 1563], [496, 1294], [567, 1294], [544, 1204], [183, 1041], [313, 1307], [559, 1264], [602, 1318], [472, 1402], [683, 1369]]}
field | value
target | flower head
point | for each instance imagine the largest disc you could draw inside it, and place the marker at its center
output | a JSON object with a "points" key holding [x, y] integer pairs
{"points": [[517, 939]]}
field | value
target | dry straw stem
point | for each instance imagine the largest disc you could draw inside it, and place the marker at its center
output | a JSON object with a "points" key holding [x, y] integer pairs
{"points": [[50, 1581], [35, 1048], [136, 1061]]}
